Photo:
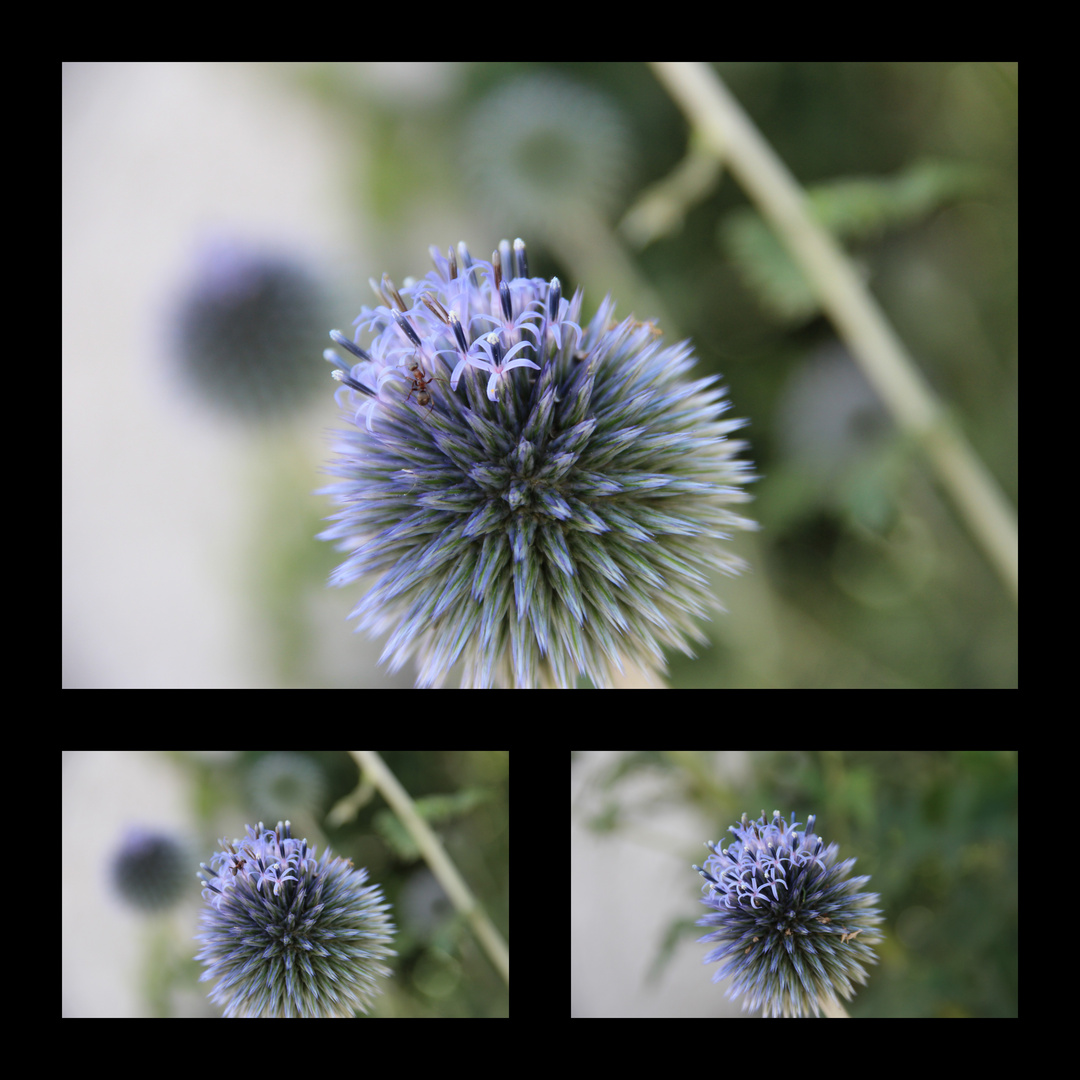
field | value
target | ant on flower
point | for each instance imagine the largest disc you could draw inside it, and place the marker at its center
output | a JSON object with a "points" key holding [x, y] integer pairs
{"points": [[420, 385]]}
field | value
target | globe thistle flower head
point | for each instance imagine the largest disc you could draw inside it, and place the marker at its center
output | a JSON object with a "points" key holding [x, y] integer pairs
{"points": [[288, 934], [791, 923], [534, 497]]}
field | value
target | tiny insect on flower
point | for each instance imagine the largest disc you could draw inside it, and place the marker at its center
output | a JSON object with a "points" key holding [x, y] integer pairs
{"points": [[420, 385]]}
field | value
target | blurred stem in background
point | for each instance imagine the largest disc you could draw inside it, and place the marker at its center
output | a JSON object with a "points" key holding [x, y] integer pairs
{"points": [[722, 125], [374, 772]]}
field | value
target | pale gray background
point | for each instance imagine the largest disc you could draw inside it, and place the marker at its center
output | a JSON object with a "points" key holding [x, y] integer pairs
{"points": [[626, 890]]}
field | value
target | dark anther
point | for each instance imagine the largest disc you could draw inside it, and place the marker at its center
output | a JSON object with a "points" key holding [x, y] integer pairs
{"points": [[554, 296], [459, 334], [407, 329], [339, 338], [436, 309], [521, 260], [390, 290]]}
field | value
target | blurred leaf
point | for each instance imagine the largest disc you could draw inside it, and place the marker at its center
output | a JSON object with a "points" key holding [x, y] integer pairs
{"points": [[852, 210]]}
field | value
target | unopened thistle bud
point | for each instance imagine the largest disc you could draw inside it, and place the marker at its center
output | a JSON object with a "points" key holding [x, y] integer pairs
{"points": [[794, 925], [534, 499], [290, 935]]}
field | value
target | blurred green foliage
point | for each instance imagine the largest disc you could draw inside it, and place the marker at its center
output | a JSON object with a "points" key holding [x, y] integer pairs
{"points": [[862, 574], [864, 209], [439, 971], [936, 830]]}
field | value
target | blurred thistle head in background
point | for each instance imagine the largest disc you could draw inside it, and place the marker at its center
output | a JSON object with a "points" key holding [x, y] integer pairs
{"points": [[538, 500], [150, 869], [543, 150], [244, 328], [794, 925], [285, 782]]}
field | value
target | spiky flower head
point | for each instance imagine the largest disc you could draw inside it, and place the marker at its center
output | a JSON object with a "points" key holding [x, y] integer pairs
{"points": [[794, 924], [535, 499], [287, 934]]}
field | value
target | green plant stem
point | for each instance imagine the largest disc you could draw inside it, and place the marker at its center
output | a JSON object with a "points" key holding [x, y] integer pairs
{"points": [[723, 125], [375, 771]]}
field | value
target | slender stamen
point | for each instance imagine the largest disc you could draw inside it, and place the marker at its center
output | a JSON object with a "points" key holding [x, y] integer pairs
{"points": [[521, 261], [339, 338], [406, 328]]}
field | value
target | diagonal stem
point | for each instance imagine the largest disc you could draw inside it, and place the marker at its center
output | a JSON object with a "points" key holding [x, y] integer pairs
{"points": [[723, 126], [375, 770]]}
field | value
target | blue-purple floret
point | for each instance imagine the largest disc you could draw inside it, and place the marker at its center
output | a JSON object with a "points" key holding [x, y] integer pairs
{"points": [[475, 302]]}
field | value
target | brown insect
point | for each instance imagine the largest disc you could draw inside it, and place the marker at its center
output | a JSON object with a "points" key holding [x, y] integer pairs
{"points": [[846, 937], [237, 865], [420, 386]]}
